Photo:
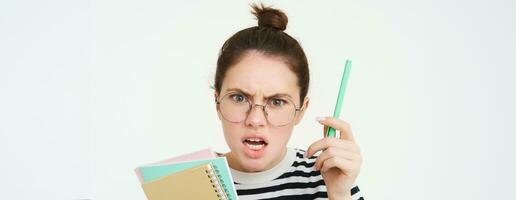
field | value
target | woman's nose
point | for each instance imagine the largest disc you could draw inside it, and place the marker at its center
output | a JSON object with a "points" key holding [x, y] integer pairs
{"points": [[257, 116]]}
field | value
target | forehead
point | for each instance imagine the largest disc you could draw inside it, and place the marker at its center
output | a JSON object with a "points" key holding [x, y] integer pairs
{"points": [[260, 74]]}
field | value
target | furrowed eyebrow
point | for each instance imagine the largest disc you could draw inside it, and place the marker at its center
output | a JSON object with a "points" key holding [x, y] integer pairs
{"points": [[279, 95], [266, 97], [237, 90]]}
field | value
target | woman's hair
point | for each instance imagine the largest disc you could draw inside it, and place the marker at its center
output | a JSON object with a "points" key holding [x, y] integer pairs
{"points": [[269, 39]]}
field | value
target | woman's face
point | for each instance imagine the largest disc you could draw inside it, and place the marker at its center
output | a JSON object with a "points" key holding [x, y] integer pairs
{"points": [[255, 143]]}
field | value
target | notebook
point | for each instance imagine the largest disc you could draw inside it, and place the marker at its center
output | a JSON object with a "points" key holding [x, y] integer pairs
{"points": [[197, 155], [194, 183], [161, 179]]}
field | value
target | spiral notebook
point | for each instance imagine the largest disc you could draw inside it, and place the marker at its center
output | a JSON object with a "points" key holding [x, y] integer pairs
{"points": [[196, 155], [187, 179], [201, 182]]}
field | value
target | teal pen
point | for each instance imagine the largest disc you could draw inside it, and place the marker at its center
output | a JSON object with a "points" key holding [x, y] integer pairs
{"points": [[343, 82]]}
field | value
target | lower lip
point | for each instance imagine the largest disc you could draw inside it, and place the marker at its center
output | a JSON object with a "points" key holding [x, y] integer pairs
{"points": [[251, 153]]}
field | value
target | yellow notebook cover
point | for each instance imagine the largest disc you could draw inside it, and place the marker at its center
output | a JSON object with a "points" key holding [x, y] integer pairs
{"points": [[195, 183]]}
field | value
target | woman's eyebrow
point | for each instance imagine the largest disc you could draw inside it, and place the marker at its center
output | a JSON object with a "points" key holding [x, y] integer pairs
{"points": [[279, 95], [238, 90], [266, 97]]}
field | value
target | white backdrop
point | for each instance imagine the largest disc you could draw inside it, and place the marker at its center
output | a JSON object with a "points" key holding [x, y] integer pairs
{"points": [[91, 89]]}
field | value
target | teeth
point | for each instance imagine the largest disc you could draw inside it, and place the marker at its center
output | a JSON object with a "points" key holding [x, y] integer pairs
{"points": [[254, 139], [255, 147]]}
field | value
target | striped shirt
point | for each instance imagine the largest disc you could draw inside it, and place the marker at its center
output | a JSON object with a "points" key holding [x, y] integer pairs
{"points": [[293, 178]]}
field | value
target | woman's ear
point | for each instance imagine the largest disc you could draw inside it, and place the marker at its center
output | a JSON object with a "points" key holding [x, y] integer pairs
{"points": [[301, 113], [215, 97]]}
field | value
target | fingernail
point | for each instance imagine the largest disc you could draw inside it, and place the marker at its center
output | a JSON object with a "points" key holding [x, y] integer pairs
{"points": [[305, 154], [320, 118]]}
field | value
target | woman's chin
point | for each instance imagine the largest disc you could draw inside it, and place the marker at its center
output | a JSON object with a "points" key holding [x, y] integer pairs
{"points": [[253, 166], [249, 164]]}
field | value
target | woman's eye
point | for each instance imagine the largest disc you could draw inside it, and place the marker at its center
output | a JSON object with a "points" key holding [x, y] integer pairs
{"points": [[238, 98], [278, 102]]}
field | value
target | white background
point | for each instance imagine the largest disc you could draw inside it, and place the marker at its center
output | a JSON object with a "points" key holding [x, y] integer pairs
{"points": [[91, 89]]}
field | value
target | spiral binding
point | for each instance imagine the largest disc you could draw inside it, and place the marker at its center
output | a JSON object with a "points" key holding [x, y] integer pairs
{"points": [[216, 182]]}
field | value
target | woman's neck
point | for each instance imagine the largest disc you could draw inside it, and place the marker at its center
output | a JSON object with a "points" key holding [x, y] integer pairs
{"points": [[235, 163]]}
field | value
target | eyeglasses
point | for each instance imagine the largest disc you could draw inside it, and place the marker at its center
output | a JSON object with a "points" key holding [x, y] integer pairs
{"points": [[235, 108]]}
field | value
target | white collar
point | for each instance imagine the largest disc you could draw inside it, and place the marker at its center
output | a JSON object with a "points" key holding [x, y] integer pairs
{"points": [[267, 175]]}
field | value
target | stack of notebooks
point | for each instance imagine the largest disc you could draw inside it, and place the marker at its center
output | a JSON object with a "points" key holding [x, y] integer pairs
{"points": [[197, 175]]}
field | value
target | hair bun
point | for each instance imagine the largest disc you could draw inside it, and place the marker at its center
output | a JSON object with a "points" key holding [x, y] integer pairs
{"points": [[270, 17]]}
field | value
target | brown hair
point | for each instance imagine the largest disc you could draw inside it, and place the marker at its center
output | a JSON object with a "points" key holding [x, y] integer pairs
{"points": [[267, 38]]}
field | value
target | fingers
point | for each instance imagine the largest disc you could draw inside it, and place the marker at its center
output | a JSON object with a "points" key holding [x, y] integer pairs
{"points": [[336, 152], [342, 153], [348, 167], [326, 143], [343, 127]]}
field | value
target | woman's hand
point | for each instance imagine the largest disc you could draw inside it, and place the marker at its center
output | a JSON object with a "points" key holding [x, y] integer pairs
{"points": [[340, 160]]}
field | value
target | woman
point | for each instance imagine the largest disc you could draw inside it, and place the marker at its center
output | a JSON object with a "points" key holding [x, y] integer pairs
{"points": [[261, 83]]}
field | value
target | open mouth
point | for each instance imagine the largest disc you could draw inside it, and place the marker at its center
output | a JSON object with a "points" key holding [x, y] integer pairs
{"points": [[255, 143]]}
